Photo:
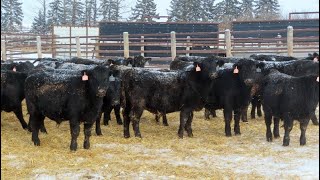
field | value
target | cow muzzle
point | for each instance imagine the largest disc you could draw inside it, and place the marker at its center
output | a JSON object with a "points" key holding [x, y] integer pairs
{"points": [[249, 82], [214, 75], [101, 92]]}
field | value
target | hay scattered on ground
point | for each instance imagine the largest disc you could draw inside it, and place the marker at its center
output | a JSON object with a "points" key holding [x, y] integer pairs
{"points": [[160, 154]]}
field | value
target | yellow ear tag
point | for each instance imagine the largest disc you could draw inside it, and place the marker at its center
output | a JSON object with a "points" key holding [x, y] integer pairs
{"points": [[236, 70], [85, 77], [198, 69]]}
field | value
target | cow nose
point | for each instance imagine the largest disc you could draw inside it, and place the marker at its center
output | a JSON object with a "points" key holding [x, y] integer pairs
{"points": [[248, 82], [101, 92], [116, 103], [214, 75]]}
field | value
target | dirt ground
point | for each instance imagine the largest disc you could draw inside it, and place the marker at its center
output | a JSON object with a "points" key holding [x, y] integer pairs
{"points": [[159, 154]]}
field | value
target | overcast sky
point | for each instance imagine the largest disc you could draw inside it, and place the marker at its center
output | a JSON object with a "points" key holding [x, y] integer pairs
{"points": [[31, 7]]}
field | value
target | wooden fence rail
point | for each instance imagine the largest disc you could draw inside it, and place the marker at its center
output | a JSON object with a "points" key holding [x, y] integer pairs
{"points": [[168, 44]]}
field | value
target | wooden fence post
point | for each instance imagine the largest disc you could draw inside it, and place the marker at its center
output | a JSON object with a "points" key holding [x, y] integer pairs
{"points": [[78, 47], [39, 47], [126, 44], [227, 37], [188, 46], [96, 49], [290, 40], [173, 45], [3, 50], [142, 46]]}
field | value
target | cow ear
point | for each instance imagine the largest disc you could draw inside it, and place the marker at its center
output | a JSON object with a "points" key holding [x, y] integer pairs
{"points": [[220, 63]]}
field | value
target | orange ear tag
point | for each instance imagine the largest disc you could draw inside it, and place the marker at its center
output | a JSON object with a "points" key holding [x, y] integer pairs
{"points": [[85, 77], [198, 69], [318, 79], [236, 70], [14, 69]]}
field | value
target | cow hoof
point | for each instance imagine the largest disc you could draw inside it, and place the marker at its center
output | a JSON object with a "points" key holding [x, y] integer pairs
{"points": [[86, 145], [138, 136], [120, 123], [276, 136], [165, 124], [246, 121], [180, 136], [237, 133], [36, 142], [126, 136], [286, 142], [316, 123], [269, 139], [73, 148], [303, 141], [43, 130], [190, 134], [229, 135], [99, 133]]}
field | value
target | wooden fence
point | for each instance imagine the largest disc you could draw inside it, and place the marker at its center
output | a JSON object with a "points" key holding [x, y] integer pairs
{"points": [[173, 43]]}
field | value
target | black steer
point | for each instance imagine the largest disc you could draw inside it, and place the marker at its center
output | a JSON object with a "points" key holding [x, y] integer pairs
{"points": [[289, 98], [60, 95], [166, 92]]}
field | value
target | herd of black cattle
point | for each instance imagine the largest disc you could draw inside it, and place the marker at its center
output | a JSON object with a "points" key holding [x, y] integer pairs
{"points": [[80, 90]]}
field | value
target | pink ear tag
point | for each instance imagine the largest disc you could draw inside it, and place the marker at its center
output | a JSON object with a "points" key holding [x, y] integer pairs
{"points": [[315, 59], [198, 69], [318, 79], [85, 77], [236, 70], [14, 69]]}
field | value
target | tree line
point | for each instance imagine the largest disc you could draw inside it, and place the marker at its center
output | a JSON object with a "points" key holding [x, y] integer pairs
{"points": [[90, 12]]}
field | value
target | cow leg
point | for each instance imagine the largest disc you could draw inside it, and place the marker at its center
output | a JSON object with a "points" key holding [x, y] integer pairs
{"points": [[136, 114], [268, 122], [259, 112], [213, 113], [157, 116], [206, 114], [244, 111], [314, 119], [303, 127], [98, 126], [117, 113], [87, 134], [188, 127], [18, 113], [237, 114], [276, 122], [106, 115], [35, 122], [126, 121], [74, 130], [227, 120], [253, 108], [184, 115], [288, 125], [164, 119]]}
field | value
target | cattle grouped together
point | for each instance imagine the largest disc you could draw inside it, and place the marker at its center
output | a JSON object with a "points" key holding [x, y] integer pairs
{"points": [[81, 90]]}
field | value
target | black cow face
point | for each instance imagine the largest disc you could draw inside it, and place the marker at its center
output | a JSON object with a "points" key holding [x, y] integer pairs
{"points": [[248, 70], [98, 79], [207, 68]]}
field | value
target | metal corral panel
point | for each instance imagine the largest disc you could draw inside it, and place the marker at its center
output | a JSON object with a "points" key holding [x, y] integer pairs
{"points": [[70, 32], [275, 25], [117, 28]]}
